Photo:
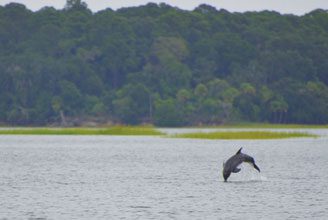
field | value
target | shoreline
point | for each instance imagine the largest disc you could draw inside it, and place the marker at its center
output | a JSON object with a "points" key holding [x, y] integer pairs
{"points": [[159, 131]]}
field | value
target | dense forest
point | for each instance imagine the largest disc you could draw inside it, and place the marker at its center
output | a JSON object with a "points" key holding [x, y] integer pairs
{"points": [[161, 65]]}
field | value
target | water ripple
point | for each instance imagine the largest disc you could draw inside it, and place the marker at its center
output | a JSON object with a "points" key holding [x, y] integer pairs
{"points": [[56, 177]]}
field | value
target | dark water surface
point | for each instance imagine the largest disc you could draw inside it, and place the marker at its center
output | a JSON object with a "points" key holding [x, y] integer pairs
{"points": [[118, 177]]}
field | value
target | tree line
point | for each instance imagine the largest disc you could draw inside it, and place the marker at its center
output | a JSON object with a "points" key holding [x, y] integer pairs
{"points": [[162, 65]]}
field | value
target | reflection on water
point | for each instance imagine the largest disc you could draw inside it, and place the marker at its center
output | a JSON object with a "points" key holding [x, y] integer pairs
{"points": [[103, 177]]}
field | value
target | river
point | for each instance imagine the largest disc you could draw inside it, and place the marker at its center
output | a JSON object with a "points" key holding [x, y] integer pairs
{"points": [[130, 177]]}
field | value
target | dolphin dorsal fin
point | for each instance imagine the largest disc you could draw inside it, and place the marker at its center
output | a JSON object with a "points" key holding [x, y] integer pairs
{"points": [[239, 151]]}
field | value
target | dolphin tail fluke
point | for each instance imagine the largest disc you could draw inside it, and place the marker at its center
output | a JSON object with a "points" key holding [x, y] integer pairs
{"points": [[256, 167]]}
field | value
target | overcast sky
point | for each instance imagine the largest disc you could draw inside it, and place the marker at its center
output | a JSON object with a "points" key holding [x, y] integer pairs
{"points": [[298, 7]]}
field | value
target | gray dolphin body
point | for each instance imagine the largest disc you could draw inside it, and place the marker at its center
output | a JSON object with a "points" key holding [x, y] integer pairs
{"points": [[231, 166]]}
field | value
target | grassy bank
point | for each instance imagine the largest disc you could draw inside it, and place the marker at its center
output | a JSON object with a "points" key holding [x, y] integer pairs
{"points": [[243, 135], [267, 125], [115, 130], [150, 131]]}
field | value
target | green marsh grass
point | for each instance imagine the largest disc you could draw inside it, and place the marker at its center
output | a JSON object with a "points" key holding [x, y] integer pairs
{"points": [[115, 130], [267, 125], [243, 135]]}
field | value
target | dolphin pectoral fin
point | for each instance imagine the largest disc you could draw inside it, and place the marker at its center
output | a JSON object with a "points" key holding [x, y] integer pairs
{"points": [[236, 170], [256, 167]]}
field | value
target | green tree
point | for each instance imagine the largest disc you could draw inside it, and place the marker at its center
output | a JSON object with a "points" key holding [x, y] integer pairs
{"points": [[278, 108], [167, 114], [157, 63], [71, 97], [133, 104], [75, 4]]}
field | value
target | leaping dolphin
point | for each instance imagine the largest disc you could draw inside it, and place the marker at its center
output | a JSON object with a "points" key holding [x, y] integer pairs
{"points": [[231, 166]]}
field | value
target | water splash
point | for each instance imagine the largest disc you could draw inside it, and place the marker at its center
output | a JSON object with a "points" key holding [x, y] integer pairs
{"points": [[247, 174]]}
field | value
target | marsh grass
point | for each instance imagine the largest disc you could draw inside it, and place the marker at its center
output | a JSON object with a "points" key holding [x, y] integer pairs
{"points": [[243, 135], [115, 130], [267, 125]]}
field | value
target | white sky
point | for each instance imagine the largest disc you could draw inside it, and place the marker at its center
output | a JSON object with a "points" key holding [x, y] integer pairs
{"points": [[298, 7]]}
